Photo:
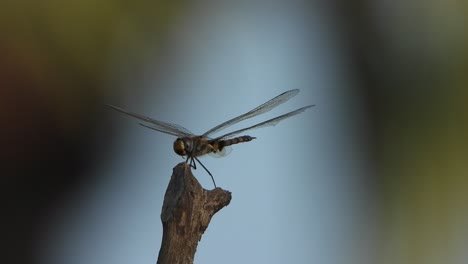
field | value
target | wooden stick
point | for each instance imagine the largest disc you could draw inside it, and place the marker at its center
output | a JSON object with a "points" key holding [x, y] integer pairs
{"points": [[186, 214]]}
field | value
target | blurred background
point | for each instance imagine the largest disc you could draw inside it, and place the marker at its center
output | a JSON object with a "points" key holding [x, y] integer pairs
{"points": [[375, 173]]}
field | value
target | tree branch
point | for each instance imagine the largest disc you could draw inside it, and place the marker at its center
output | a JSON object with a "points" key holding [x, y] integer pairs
{"points": [[186, 213]]}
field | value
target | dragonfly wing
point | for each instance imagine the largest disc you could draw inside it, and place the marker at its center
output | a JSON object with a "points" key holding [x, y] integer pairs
{"points": [[164, 127], [161, 130], [223, 153], [270, 122], [263, 108]]}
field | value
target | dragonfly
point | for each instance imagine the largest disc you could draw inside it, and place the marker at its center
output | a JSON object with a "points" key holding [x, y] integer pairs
{"points": [[193, 146]]}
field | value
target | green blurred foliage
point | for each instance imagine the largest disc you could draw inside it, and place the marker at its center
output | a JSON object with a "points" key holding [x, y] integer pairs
{"points": [[421, 117], [64, 48]]}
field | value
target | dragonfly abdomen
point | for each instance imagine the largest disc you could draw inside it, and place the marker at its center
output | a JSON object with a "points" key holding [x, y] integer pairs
{"points": [[223, 143]]}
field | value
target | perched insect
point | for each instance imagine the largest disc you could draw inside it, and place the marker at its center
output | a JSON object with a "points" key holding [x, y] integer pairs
{"points": [[193, 146]]}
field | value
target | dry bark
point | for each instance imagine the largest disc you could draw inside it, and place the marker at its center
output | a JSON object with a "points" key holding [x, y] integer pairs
{"points": [[186, 213]]}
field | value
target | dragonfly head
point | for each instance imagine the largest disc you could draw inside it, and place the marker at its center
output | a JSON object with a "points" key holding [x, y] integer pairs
{"points": [[183, 146]]}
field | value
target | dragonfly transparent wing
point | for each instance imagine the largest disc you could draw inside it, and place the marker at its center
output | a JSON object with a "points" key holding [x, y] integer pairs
{"points": [[223, 153], [270, 122], [263, 108], [164, 127]]}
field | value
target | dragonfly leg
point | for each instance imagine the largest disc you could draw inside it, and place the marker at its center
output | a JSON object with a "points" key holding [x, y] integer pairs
{"points": [[206, 171], [187, 161], [191, 163], [194, 165]]}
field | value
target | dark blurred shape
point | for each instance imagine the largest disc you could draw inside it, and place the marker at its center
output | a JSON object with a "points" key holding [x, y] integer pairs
{"points": [[43, 160], [410, 59], [54, 61]]}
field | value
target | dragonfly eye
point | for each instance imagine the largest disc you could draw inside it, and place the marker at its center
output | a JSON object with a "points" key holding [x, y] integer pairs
{"points": [[182, 146]]}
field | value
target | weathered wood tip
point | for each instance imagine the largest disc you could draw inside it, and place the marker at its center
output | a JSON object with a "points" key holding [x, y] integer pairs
{"points": [[186, 213]]}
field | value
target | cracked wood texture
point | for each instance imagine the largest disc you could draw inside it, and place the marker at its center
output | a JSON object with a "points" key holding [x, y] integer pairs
{"points": [[186, 213]]}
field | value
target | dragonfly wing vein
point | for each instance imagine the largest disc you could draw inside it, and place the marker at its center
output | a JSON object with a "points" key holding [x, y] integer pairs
{"points": [[160, 130], [270, 122], [164, 127], [263, 108]]}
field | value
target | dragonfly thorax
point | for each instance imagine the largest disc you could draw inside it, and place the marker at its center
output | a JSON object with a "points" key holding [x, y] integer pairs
{"points": [[193, 146]]}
